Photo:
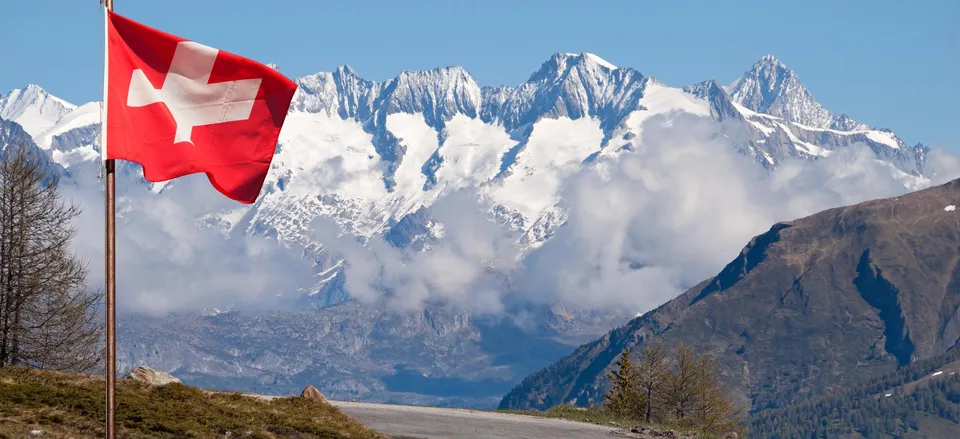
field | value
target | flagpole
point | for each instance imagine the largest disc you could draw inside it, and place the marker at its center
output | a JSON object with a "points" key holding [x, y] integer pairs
{"points": [[110, 259]]}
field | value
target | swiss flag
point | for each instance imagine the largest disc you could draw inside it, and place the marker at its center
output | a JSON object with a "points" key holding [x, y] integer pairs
{"points": [[178, 107]]}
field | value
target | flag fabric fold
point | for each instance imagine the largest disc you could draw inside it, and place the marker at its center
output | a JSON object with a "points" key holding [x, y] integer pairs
{"points": [[178, 107]]}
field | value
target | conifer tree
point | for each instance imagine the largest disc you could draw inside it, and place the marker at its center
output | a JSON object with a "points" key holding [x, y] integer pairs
{"points": [[623, 399]]}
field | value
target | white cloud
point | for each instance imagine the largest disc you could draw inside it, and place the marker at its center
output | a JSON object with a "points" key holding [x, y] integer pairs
{"points": [[463, 267], [167, 263], [641, 228]]}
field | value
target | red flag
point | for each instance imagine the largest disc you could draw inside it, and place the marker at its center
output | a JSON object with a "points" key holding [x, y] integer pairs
{"points": [[178, 107]]}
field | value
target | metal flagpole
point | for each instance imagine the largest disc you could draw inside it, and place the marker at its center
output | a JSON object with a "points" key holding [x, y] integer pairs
{"points": [[110, 253]]}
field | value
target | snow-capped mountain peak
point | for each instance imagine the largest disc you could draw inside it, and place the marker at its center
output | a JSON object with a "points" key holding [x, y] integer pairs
{"points": [[33, 108], [438, 94], [560, 65], [574, 86], [770, 87]]}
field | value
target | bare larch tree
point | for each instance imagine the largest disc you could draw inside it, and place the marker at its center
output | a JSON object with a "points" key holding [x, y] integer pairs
{"points": [[48, 318]]}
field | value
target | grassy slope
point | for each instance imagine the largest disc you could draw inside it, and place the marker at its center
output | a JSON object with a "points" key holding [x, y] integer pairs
{"points": [[73, 406], [599, 417]]}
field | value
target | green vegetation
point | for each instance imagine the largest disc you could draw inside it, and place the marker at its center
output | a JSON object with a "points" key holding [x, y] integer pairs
{"points": [[679, 388], [63, 405], [867, 411], [601, 416]]}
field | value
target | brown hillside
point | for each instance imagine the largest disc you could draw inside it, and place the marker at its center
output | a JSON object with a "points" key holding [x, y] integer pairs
{"points": [[813, 304]]}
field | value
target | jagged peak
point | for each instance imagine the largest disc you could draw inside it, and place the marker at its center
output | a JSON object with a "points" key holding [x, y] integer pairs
{"points": [[704, 89], [770, 60], [561, 63], [347, 70], [340, 71], [770, 87], [650, 80], [768, 70], [449, 71], [589, 57], [34, 92]]}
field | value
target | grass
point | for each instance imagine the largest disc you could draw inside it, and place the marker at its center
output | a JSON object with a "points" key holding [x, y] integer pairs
{"points": [[72, 406], [602, 417]]}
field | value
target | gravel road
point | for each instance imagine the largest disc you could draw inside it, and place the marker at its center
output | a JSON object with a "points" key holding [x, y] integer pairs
{"points": [[413, 422], [408, 422]]}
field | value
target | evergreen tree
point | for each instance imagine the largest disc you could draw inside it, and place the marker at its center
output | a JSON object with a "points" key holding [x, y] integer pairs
{"points": [[623, 400]]}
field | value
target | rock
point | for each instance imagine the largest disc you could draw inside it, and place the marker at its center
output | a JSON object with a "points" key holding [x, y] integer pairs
{"points": [[732, 435], [313, 394], [152, 377]]}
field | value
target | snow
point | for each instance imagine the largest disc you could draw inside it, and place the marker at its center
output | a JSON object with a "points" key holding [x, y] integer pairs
{"points": [[660, 99], [419, 141], [555, 149], [806, 147], [760, 126], [888, 395], [770, 85], [881, 137], [937, 373], [328, 155], [750, 113], [600, 61], [767, 157], [323, 281], [83, 153], [950, 208], [471, 153], [86, 115], [884, 138], [230, 218], [33, 108]]}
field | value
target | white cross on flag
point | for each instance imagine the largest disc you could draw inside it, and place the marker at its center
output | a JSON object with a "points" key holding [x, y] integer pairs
{"points": [[178, 107]]}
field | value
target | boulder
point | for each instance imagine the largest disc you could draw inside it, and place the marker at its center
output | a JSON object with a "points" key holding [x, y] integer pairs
{"points": [[313, 394], [152, 377]]}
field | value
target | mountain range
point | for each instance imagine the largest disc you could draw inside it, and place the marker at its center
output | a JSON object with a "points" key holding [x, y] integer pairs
{"points": [[374, 157]]}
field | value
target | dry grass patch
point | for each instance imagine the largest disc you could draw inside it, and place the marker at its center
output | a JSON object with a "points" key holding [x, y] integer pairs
{"points": [[72, 406]]}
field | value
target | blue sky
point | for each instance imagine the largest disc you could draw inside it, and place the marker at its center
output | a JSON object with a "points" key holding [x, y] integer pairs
{"points": [[892, 64]]}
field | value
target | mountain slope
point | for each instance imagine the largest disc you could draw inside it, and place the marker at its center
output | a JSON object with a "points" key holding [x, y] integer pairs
{"points": [[920, 400], [440, 356], [33, 108], [809, 306], [769, 87]]}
